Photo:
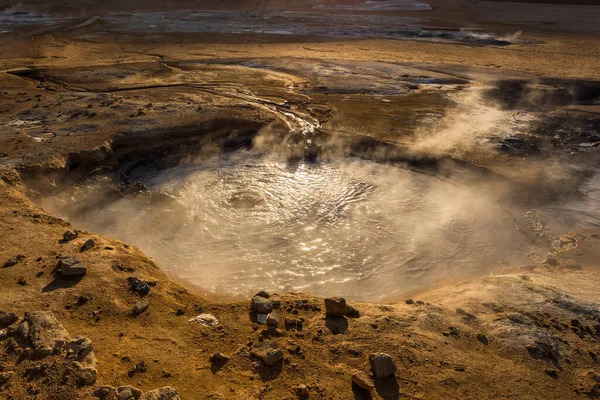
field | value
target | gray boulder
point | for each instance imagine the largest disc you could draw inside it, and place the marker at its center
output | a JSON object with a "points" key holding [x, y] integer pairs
{"points": [[260, 305]]}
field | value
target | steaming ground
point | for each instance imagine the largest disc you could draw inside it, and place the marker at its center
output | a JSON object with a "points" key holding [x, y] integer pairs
{"points": [[245, 220]]}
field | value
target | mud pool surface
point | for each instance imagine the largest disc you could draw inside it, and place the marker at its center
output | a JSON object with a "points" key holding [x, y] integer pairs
{"points": [[241, 221]]}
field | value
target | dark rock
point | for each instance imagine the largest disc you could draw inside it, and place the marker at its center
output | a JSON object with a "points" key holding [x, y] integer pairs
{"points": [[483, 339], [180, 312], [139, 367], [410, 301], [218, 357], [88, 245], [465, 314], [261, 305], [335, 306], [82, 300], [352, 312], [552, 373], [13, 261], [382, 365], [140, 307], [293, 324], [262, 294], [137, 286], [68, 236], [270, 353]]}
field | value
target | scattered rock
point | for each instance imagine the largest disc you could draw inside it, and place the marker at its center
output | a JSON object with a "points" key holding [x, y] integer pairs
{"points": [[272, 321], [483, 338], [88, 245], [139, 367], [270, 353], [302, 391], [382, 365], [44, 332], [71, 266], [104, 392], [165, 393], [140, 307], [219, 357], [293, 324], [335, 306], [137, 286], [552, 373], [466, 315], [262, 318], [13, 261], [204, 320], [261, 305], [68, 236], [363, 381], [128, 393], [7, 319]]}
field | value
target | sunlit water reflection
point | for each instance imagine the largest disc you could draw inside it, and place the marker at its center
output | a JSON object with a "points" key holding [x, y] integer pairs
{"points": [[242, 222]]}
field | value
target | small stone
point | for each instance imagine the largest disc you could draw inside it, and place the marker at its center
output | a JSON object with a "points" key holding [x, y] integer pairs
{"points": [[302, 391], [105, 391], [140, 307], [272, 321], [7, 319], [139, 367], [262, 294], [88, 245], [137, 286], [262, 318], [483, 338], [204, 320], [270, 353], [68, 236], [13, 261], [74, 270], [410, 301], [335, 306], [363, 381], [293, 324], [552, 373], [180, 312], [128, 393], [466, 315], [260, 305], [165, 393], [382, 365], [219, 357]]}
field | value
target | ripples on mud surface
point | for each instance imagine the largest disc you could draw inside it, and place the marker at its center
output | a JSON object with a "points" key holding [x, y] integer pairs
{"points": [[243, 221]]}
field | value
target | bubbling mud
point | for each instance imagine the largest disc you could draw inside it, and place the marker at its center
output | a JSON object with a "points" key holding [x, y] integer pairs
{"points": [[238, 222]]}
